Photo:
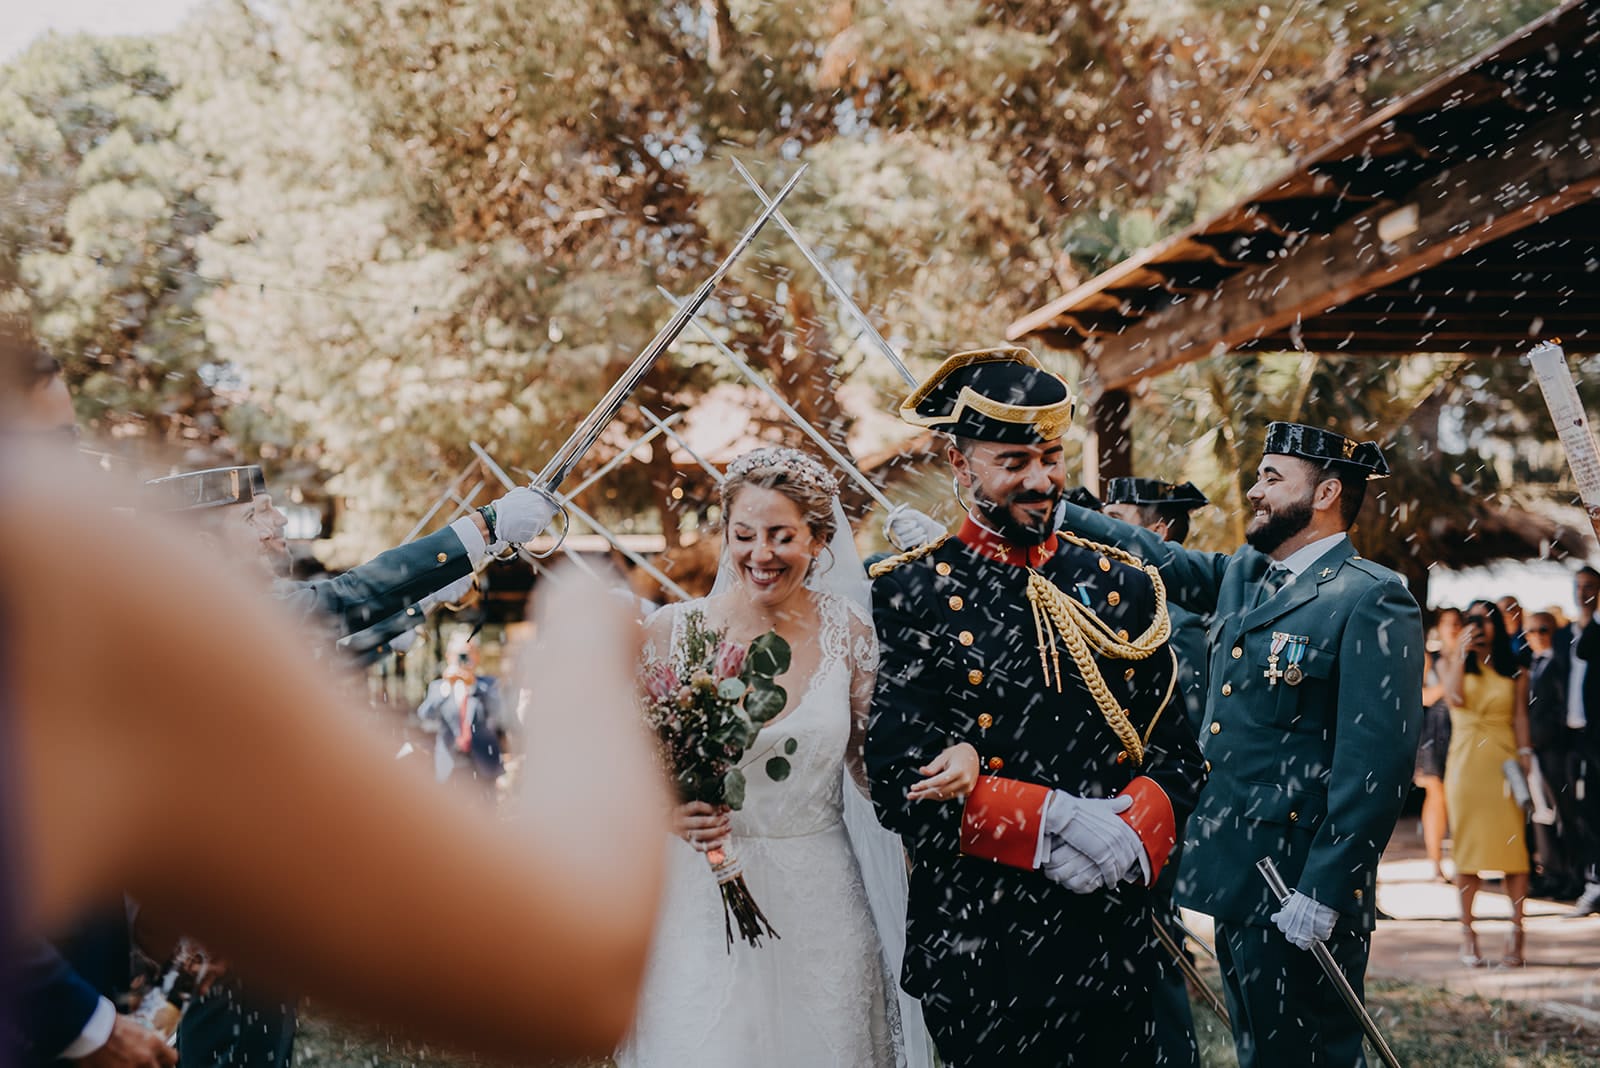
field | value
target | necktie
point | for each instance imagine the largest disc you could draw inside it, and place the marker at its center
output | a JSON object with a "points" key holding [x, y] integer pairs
{"points": [[464, 730], [1272, 582]]}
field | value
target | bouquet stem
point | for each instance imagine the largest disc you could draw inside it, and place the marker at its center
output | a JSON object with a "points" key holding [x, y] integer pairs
{"points": [[737, 903]]}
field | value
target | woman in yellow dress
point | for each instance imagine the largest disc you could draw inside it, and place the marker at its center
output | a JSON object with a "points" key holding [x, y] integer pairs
{"points": [[1488, 696]]}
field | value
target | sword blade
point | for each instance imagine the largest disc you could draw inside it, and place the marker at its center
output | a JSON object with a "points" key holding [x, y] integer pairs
{"points": [[1330, 968], [1212, 999], [832, 283], [573, 449]]}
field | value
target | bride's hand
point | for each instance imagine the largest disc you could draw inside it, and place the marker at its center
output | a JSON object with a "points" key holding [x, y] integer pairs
{"points": [[700, 824], [951, 774]]}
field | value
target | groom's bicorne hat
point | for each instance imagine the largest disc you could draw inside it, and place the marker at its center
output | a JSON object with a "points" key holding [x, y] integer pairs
{"points": [[211, 488], [1358, 459], [1002, 394]]}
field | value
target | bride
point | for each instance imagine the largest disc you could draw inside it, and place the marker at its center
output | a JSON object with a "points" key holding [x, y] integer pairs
{"points": [[830, 880]]}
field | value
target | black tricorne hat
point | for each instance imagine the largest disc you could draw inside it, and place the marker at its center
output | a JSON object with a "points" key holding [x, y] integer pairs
{"points": [[1142, 491], [1002, 394], [211, 488], [1325, 447]]}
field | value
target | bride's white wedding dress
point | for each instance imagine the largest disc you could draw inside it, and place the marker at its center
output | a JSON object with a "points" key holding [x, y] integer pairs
{"points": [[820, 994]]}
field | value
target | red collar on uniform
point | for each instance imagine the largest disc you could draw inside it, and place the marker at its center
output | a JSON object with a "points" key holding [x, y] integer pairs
{"points": [[985, 541]]}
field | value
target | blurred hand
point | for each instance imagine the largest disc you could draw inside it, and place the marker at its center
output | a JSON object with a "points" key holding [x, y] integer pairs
{"points": [[132, 1045], [907, 529], [951, 774]]}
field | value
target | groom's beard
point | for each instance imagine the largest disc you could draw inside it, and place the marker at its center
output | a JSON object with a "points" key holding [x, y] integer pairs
{"points": [[1013, 525]]}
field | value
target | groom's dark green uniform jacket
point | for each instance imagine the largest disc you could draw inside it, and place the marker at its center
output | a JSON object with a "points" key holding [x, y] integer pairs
{"points": [[962, 660]]}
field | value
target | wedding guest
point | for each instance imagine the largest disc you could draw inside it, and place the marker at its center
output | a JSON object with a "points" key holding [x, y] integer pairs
{"points": [[1511, 615], [1488, 695], [1558, 752]]}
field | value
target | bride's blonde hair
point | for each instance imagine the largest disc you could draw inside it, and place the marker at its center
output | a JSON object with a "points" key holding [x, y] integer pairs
{"points": [[792, 473]]}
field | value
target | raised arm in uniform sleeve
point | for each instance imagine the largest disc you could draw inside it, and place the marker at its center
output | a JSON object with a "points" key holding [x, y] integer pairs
{"points": [[386, 584], [1375, 741], [1192, 577]]}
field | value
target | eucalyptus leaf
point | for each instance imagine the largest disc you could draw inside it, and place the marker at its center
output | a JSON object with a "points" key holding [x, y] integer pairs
{"points": [[790, 745], [731, 689], [777, 769], [733, 786], [769, 657], [764, 703]]}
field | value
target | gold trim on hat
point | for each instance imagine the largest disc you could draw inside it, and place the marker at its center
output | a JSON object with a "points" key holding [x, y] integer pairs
{"points": [[1049, 420]]}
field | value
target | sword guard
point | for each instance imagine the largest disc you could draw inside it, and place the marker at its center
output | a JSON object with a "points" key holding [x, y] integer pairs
{"points": [[561, 539]]}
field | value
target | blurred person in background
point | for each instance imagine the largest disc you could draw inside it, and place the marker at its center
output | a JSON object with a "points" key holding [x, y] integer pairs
{"points": [[1488, 695], [1557, 753], [464, 713], [1434, 742], [1511, 616], [1583, 717]]}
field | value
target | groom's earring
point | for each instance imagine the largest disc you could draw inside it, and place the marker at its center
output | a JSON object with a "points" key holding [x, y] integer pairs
{"points": [[956, 484]]}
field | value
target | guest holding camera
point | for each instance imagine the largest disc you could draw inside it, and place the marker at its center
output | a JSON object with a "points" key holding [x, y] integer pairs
{"points": [[1488, 695]]}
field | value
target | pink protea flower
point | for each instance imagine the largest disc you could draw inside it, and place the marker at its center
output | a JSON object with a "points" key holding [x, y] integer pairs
{"points": [[730, 660], [660, 681]]}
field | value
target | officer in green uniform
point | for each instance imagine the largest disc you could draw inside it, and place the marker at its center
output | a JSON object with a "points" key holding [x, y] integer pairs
{"points": [[1028, 923], [239, 512], [1310, 733], [1163, 507]]}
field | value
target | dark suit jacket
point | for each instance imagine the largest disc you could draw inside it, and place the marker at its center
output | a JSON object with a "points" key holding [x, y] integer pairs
{"points": [[1547, 701], [960, 661], [60, 985]]}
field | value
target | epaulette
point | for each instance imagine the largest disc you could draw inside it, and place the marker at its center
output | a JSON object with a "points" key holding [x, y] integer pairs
{"points": [[883, 567], [1376, 570]]}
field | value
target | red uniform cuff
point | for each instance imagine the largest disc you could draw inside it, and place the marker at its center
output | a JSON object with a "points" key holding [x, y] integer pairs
{"points": [[1152, 819], [1002, 821]]}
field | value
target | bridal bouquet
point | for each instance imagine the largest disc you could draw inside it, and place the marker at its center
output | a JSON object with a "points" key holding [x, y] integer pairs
{"points": [[705, 702]]}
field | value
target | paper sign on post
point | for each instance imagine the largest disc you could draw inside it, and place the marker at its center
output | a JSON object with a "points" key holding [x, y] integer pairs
{"points": [[1550, 369]]}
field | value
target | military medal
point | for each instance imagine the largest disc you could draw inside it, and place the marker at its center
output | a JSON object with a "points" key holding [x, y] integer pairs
{"points": [[1294, 674], [1274, 672]]}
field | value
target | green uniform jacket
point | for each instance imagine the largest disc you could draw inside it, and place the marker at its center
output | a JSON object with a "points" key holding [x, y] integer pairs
{"points": [[389, 583], [1312, 775]]}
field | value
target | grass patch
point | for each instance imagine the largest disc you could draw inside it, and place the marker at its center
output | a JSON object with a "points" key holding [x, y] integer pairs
{"points": [[1429, 1027]]}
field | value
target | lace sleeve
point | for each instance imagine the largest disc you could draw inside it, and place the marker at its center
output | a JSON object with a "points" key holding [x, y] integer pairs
{"points": [[863, 645], [659, 633]]}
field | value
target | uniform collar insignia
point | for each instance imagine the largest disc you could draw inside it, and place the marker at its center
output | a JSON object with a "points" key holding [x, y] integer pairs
{"points": [[986, 542]]}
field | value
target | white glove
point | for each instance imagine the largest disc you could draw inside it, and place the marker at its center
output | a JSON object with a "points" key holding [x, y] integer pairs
{"points": [[401, 643], [1091, 826], [1304, 920], [520, 515], [908, 529], [1072, 869]]}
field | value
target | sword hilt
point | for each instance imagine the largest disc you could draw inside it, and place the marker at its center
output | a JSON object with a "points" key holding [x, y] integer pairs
{"points": [[1275, 883]]}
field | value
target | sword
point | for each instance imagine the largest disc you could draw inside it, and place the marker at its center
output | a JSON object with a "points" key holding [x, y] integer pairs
{"points": [[1330, 968], [867, 329], [572, 450], [1190, 972]]}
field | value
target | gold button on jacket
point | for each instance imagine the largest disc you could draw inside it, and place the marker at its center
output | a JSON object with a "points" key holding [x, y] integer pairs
{"points": [[1216, 728]]}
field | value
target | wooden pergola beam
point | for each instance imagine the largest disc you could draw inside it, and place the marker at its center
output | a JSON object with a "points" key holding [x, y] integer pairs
{"points": [[1554, 165]]}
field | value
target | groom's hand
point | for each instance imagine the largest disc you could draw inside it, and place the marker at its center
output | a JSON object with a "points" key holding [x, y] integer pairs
{"points": [[1072, 869], [1092, 826]]}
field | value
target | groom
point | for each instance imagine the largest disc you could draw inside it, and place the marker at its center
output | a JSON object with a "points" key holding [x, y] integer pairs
{"points": [[1029, 936]]}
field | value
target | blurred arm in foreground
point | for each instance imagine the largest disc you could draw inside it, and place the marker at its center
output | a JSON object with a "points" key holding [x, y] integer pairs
{"points": [[144, 677]]}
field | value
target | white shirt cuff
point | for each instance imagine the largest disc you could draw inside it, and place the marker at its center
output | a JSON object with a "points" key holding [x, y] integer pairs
{"points": [[471, 540], [95, 1033], [1041, 848]]}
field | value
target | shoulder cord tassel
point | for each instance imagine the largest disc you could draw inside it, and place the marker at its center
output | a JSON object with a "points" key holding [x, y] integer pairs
{"points": [[1057, 616]]}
